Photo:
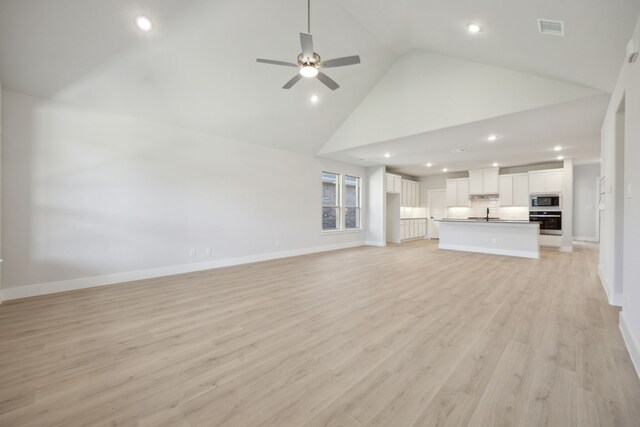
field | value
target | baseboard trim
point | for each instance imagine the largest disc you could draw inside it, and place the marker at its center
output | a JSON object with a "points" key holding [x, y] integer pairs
{"points": [[13, 293], [372, 243], [462, 248], [585, 239], [613, 297], [632, 343]]}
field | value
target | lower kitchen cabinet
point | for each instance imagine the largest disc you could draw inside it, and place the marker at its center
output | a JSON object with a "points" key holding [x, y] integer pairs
{"points": [[413, 228]]}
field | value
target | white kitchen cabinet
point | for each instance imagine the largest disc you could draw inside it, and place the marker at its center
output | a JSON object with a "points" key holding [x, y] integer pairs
{"points": [[548, 181], [553, 182], [514, 190], [413, 228], [410, 194], [394, 183], [505, 195], [521, 190], [483, 181], [458, 192]]}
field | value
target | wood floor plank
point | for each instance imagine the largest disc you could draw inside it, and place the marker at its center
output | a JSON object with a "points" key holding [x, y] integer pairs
{"points": [[398, 336]]}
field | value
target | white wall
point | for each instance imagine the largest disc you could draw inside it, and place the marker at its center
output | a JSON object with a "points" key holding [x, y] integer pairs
{"points": [[1, 204], [623, 289], [88, 196], [585, 202], [425, 91], [377, 205]]}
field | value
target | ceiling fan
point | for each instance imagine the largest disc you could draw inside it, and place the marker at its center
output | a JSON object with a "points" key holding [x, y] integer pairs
{"points": [[310, 63]]}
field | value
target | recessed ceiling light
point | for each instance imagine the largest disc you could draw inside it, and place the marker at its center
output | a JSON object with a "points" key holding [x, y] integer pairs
{"points": [[557, 148], [445, 170], [309, 71], [492, 138], [560, 157], [387, 155], [144, 23], [474, 28], [428, 165], [314, 98], [495, 164]]}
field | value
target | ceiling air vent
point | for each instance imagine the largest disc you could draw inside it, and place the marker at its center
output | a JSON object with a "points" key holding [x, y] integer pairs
{"points": [[551, 27]]}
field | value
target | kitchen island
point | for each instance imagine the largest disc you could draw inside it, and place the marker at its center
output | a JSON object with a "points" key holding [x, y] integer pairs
{"points": [[498, 237]]}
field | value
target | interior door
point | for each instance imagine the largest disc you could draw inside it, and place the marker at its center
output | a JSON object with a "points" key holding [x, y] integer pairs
{"points": [[437, 210]]}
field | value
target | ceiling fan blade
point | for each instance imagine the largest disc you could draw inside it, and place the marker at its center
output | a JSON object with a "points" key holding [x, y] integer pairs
{"points": [[328, 81], [274, 62], [306, 41], [341, 62], [293, 81]]}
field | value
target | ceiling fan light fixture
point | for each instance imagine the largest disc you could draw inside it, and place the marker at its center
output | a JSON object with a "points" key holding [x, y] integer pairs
{"points": [[308, 71]]}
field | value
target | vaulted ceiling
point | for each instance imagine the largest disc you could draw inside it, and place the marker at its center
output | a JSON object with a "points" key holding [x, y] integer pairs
{"points": [[197, 68]]}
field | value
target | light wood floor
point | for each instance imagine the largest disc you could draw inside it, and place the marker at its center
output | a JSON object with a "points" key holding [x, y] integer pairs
{"points": [[399, 336]]}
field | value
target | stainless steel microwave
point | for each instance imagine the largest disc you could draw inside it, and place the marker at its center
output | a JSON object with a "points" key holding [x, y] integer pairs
{"points": [[546, 202]]}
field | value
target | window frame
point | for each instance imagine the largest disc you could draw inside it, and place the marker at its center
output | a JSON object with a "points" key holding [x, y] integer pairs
{"points": [[341, 207], [357, 206]]}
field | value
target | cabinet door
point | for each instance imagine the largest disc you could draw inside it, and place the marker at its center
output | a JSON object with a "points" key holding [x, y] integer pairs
{"points": [[463, 193], [404, 193], [452, 193], [553, 182], [390, 186], [397, 184], [423, 227], [537, 183], [416, 189], [403, 230], [506, 191], [490, 181], [521, 191], [476, 182]]}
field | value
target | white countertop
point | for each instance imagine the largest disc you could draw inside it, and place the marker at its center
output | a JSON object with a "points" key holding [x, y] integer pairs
{"points": [[491, 221]]}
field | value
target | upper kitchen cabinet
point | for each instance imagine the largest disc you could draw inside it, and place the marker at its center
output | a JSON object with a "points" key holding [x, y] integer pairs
{"points": [[514, 190], [410, 194], [458, 192], [483, 181], [547, 181], [394, 183]]}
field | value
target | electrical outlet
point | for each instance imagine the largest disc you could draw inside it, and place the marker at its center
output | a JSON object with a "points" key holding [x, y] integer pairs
{"points": [[192, 252]]}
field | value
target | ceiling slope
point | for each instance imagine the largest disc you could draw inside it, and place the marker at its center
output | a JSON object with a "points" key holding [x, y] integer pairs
{"points": [[197, 69], [424, 92], [589, 54]]}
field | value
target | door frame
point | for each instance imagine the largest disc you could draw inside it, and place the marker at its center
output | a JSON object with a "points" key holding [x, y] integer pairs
{"points": [[429, 217]]}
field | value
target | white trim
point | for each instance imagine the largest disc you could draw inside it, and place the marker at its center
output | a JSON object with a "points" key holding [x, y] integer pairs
{"points": [[613, 297], [632, 343], [372, 243], [585, 239], [112, 279], [522, 254]]}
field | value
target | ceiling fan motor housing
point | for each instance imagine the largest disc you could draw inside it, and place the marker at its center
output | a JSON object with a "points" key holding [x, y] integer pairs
{"points": [[314, 62]]}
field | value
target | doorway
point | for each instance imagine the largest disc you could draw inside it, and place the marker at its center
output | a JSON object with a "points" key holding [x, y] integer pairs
{"points": [[437, 209]]}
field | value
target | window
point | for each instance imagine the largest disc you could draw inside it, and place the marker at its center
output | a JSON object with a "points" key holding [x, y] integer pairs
{"points": [[351, 202], [330, 201], [340, 202]]}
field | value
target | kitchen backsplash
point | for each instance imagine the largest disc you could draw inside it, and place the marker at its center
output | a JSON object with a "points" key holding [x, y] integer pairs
{"points": [[413, 212], [479, 209]]}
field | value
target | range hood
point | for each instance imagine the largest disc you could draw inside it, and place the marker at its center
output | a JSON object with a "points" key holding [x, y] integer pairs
{"points": [[483, 196]]}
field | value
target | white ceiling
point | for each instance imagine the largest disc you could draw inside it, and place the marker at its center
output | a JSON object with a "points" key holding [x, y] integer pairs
{"points": [[524, 138], [590, 54], [198, 69]]}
